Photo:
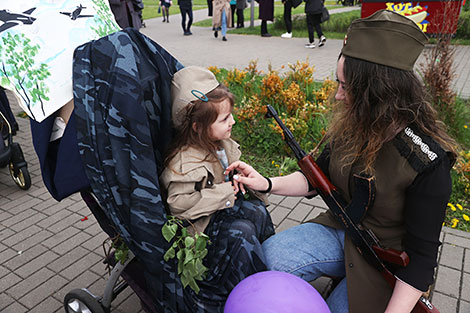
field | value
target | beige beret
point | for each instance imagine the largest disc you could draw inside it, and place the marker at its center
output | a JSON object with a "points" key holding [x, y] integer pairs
{"points": [[189, 84], [386, 38]]}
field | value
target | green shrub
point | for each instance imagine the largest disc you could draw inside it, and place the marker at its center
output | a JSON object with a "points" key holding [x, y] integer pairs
{"points": [[463, 29]]}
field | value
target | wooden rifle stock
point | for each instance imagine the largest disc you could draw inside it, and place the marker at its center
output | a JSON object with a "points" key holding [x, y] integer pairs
{"points": [[372, 252]]}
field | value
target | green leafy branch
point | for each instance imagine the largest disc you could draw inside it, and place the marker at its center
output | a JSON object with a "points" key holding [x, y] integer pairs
{"points": [[189, 249]]}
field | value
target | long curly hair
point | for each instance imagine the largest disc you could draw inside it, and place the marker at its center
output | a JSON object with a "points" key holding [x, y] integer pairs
{"points": [[198, 117], [381, 102]]}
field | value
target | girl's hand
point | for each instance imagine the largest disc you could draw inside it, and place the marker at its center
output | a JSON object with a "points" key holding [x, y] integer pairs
{"points": [[247, 176]]}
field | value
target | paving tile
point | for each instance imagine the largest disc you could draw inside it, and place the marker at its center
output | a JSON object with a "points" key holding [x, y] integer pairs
{"points": [[452, 256], [446, 281], [465, 295], [290, 202], [70, 220], [466, 266], [457, 240], [38, 295], [7, 255], [93, 229], [52, 219], [25, 257], [314, 213], [5, 300], [18, 208], [9, 281], [444, 303], [33, 240], [60, 237], [316, 201], [32, 282], [35, 218], [5, 233], [286, 224], [300, 212], [15, 307], [456, 232], [275, 199], [4, 271], [36, 264], [464, 306], [67, 259], [85, 280], [81, 265], [71, 243], [278, 214], [77, 206], [43, 205], [21, 236], [48, 305], [95, 242], [58, 207]]}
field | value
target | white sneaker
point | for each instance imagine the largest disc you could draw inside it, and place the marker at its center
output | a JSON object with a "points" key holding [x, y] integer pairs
{"points": [[310, 45], [322, 41], [286, 35]]}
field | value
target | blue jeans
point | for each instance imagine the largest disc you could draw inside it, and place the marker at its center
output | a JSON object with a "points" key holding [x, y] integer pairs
{"points": [[224, 23], [309, 251]]}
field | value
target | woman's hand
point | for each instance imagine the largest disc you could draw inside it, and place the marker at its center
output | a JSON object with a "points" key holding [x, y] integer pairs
{"points": [[247, 177]]}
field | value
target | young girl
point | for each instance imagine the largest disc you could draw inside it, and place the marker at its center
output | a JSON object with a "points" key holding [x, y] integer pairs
{"points": [[198, 190]]}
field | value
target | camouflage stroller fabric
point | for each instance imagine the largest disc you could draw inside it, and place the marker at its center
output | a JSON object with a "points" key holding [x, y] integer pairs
{"points": [[122, 110]]}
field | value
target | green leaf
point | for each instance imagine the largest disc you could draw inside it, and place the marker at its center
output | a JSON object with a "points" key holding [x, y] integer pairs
{"points": [[194, 286], [170, 254], [168, 232], [184, 281], [188, 242], [201, 243], [189, 256]]}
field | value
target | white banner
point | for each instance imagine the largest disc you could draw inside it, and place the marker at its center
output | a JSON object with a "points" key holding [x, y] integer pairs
{"points": [[37, 40]]}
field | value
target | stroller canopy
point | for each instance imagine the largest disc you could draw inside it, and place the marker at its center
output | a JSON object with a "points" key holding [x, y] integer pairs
{"points": [[123, 122]]}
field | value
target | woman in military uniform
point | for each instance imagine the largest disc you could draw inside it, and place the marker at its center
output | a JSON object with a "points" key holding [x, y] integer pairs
{"points": [[383, 127]]}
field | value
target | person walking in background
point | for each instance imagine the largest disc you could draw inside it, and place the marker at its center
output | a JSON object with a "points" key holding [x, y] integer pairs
{"points": [[233, 7], [288, 5], [127, 12], [186, 8], [241, 5], [266, 13], [313, 9], [209, 7], [221, 17], [166, 4]]}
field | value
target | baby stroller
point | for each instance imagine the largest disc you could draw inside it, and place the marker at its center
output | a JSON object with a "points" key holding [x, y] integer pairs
{"points": [[11, 154], [106, 154]]}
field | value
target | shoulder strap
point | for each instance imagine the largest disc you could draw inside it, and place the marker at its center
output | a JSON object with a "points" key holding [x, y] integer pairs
{"points": [[421, 150]]}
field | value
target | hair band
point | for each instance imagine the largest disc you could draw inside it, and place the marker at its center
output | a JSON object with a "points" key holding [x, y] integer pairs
{"points": [[200, 95]]}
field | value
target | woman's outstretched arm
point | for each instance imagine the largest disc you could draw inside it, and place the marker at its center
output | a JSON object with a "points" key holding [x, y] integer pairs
{"points": [[294, 184]]}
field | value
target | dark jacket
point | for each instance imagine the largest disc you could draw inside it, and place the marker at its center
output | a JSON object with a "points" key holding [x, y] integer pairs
{"points": [[185, 4], [413, 186], [127, 12], [266, 10], [313, 6]]}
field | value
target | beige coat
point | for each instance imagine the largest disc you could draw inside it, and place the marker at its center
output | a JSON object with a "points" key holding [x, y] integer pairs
{"points": [[196, 187], [219, 6]]}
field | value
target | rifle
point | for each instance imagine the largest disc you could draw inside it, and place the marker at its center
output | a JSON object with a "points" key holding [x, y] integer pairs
{"points": [[363, 239]]}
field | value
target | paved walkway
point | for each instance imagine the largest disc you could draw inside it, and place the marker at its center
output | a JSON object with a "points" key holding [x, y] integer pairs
{"points": [[47, 248]]}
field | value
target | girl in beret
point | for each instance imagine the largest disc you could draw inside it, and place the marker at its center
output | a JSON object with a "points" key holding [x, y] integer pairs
{"points": [[385, 128], [198, 191]]}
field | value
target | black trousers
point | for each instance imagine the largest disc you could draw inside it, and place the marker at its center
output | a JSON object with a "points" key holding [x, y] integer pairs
{"points": [[240, 18], [264, 27], [233, 8], [313, 21], [209, 7], [288, 15], [185, 12]]}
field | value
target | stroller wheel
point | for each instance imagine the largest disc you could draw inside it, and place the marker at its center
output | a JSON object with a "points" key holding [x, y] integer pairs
{"points": [[23, 179], [81, 301]]}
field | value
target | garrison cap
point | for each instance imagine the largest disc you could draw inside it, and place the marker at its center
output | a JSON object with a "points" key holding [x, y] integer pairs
{"points": [[189, 84], [386, 38]]}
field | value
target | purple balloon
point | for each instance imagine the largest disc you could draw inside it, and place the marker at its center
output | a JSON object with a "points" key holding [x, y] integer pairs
{"points": [[275, 292]]}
